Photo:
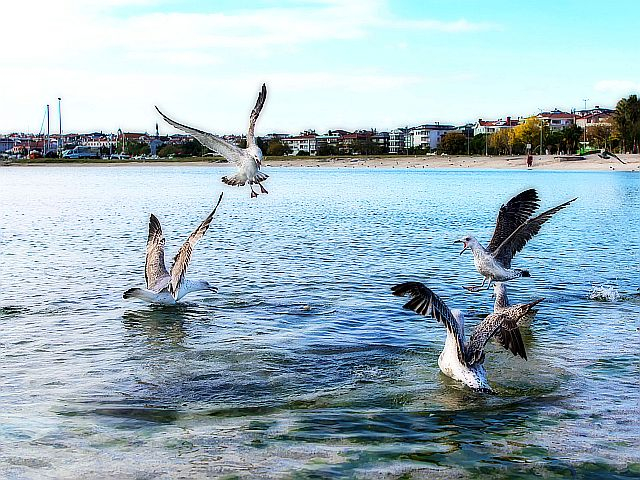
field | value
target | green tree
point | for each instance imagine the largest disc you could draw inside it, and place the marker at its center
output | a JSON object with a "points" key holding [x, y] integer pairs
{"points": [[137, 148], [571, 135], [600, 136], [276, 148], [503, 141], [627, 120], [453, 143], [325, 150], [528, 132]]}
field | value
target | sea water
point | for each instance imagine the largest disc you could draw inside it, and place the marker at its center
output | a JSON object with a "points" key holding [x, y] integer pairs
{"points": [[304, 365]]}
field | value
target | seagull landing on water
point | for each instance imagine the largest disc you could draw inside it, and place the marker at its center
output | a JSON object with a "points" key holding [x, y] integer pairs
{"points": [[459, 360], [514, 228], [248, 160], [169, 287]]}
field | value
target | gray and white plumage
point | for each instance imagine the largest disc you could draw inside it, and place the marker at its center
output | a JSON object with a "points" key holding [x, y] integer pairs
{"points": [[247, 160], [515, 226], [460, 360], [524, 311], [168, 287]]}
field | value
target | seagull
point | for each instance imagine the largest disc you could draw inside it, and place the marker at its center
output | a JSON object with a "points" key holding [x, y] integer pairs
{"points": [[169, 287], [514, 228], [459, 360], [501, 304], [248, 160], [501, 301]]}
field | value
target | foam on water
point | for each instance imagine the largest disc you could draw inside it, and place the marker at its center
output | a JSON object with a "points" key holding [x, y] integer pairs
{"points": [[604, 293]]}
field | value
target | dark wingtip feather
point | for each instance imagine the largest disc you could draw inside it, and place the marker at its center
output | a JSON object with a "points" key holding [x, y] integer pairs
{"points": [[402, 289], [129, 293]]}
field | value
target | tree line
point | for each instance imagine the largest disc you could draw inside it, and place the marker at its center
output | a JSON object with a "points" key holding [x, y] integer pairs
{"points": [[621, 135]]}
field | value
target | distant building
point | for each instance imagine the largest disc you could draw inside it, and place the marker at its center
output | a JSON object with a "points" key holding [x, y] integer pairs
{"points": [[492, 126], [594, 110], [330, 139], [595, 119], [398, 140], [557, 120], [6, 144], [381, 139], [348, 140], [306, 143], [428, 136]]}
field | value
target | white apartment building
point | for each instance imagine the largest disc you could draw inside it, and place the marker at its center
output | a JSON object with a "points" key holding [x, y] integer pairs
{"points": [[306, 143], [427, 136]]}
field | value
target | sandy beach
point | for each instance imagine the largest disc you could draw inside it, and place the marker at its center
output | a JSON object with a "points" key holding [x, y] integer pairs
{"points": [[544, 162]]}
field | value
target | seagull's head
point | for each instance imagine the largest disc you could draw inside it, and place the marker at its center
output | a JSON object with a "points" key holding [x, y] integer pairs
{"points": [[255, 153], [204, 285], [467, 242], [499, 290]]}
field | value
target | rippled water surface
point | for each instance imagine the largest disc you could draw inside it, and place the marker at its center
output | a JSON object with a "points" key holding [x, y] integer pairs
{"points": [[304, 365]]}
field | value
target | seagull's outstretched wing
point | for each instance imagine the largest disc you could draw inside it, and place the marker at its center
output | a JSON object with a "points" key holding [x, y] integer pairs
{"points": [[155, 271], [427, 303], [209, 140], [255, 113], [182, 258], [513, 214], [507, 321], [515, 242]]}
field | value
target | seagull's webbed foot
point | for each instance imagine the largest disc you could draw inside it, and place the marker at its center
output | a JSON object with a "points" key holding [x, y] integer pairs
{"points": [[477, 288], [262, 189], [253, 193], [473, 288]]}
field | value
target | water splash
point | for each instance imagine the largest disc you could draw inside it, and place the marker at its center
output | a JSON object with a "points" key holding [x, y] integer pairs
{"points": [[604, 293]]}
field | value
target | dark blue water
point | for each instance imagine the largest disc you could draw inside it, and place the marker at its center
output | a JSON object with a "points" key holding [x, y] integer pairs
{"points": [[304, 365]]}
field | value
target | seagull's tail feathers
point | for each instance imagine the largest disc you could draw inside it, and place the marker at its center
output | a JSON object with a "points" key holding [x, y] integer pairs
{"points": [[237, 180], [259, 177]]}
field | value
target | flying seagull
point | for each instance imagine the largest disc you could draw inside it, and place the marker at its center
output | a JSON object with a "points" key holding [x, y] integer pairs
{"points": [[459, 360], [167, 287], [514, 228], [248, 160]]}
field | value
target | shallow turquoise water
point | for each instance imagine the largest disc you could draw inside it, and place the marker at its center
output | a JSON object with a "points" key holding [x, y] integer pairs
{"points": [[247, 382]]}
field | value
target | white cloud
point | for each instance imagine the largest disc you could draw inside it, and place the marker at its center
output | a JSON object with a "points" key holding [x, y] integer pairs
{"points": [[110, 64], [618, 87]]}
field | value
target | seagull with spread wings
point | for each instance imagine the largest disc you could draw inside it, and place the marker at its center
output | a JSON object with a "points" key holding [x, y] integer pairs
{"points": [[168, 287], [515, 226], [460, 360], [247, 160]]}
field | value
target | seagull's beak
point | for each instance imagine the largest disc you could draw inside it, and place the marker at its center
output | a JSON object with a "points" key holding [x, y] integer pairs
{"points": [[464, 244]]}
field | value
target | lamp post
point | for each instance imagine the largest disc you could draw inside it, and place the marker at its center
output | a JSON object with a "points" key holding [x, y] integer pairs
{"points": [[120, 135], [60, 142]]}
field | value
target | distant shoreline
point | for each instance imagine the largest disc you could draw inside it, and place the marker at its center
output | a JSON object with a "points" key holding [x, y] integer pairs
{"points": [[545, 162]]}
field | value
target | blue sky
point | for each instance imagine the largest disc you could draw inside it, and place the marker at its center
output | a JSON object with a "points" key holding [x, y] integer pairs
{"points": [[327, 63]]}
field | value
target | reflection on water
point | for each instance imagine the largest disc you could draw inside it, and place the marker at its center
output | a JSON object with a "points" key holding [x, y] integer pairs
{"points": [[303, 365]]}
